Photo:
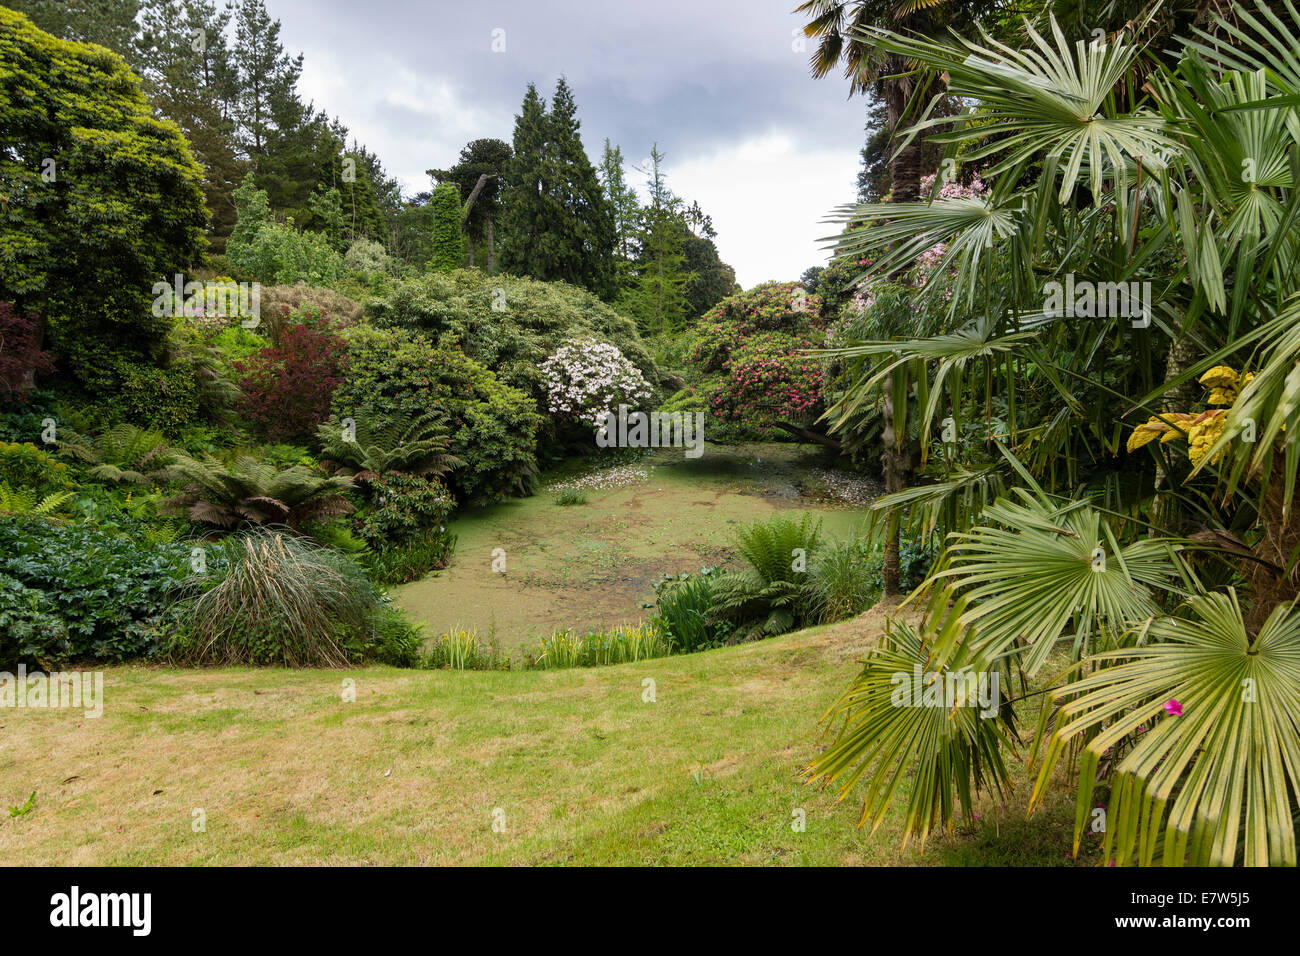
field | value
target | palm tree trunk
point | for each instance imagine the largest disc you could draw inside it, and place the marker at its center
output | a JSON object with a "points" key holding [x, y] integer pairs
{"points": [[894, 468], [905, 173]]}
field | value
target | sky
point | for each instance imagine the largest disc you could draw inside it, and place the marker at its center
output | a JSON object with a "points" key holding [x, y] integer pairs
{"points": [[721, 85]]}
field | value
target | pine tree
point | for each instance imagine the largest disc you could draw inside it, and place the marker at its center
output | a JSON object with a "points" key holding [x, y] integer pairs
{"points": [[525, 214], [624, 207], [268, 77], [588, 255], [659, 299], [189, 78], [556, 222]]}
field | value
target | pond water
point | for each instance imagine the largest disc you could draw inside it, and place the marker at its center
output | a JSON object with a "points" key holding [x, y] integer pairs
{"points": [[596, 564]]}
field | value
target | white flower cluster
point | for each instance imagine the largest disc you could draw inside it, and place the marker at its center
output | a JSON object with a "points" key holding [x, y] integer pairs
{"points": [[848, 487], [586, 378], [616, 477]]}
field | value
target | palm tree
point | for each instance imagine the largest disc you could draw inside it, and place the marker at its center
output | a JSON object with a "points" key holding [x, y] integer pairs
{"points": [[841, 27], [1179, 688]]}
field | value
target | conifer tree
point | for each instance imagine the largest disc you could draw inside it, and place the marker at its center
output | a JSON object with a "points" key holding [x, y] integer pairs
{"points": [[659, 298], [556, 222]]}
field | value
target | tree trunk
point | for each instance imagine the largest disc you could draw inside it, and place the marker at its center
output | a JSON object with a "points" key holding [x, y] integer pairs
{"points": [[905, 186], [894, 469], [492, 250]]}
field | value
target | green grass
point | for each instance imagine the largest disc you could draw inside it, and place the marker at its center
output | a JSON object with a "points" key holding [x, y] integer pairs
{"points": [[583, 768]]}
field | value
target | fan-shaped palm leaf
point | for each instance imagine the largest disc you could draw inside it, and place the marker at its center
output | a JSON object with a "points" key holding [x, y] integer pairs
{"points": [[1213, 716]]}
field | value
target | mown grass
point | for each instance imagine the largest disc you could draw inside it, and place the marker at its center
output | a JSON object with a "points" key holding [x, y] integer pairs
{"points": [[581, 767]]}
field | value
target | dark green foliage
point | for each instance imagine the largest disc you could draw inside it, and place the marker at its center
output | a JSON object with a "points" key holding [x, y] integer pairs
{"points": [[411, 443], [108, 593], [102, 200], [844, 580], [412, 559], [555, 221], [448, 237], [770, 596], [405, 507], [249, 491], [481, 157], [123, 453], [510, 325], [684, 604], [493, 426]]}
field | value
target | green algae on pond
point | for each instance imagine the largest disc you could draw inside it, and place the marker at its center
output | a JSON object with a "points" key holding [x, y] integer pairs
{"points": [[596, 564]]}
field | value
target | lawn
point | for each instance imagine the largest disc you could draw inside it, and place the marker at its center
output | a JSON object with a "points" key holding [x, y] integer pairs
{"points": [[575, 764]]}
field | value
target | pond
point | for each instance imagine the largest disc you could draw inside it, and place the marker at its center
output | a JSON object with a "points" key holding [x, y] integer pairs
{"points": [[596, 564]]}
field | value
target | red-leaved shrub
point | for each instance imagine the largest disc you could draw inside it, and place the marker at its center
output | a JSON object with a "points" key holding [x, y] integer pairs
{"points": [[19, 356], [287, 387]]}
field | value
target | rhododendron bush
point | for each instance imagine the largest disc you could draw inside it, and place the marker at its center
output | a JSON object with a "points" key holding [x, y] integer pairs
{"points": [[586, 378], [769, 381], [756, 342]]}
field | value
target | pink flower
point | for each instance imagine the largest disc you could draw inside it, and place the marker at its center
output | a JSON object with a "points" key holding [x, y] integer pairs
{"points": [[1173, 708]]}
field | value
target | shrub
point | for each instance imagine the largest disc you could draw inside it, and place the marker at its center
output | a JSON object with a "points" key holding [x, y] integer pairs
{"points": [[276, 252], [165, 397], [31, 631], [287, 387], [109, 592], [23, 465], [124, 453], [493, 426], [770, 596], [509, 324], [769, 380], [405, 506], [279, 599], [586, 378], [751, 347], [430, 550], [378, 444], [365, 256], [20, 359], [285, 305]]}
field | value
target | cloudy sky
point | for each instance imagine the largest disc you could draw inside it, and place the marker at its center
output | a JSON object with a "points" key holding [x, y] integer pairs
{"points": [[766, 150]]}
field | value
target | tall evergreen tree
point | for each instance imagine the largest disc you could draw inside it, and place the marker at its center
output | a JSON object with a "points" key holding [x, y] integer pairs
{"points": [[526, 214], [659, 299], [555, 220], [189, 78], [624, 207]]}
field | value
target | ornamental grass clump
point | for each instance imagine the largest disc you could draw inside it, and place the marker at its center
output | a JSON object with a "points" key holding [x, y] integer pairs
{"points": [[281, 599]]}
